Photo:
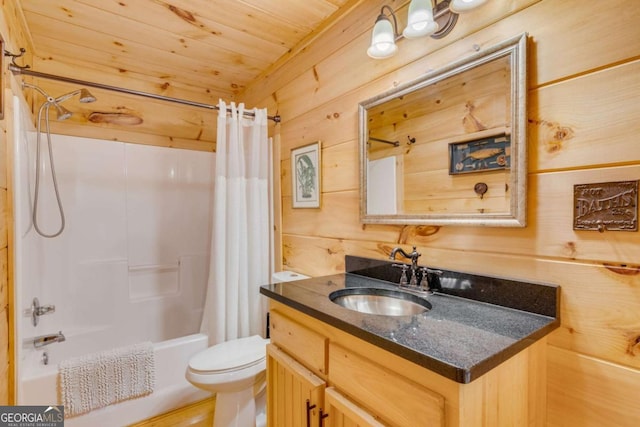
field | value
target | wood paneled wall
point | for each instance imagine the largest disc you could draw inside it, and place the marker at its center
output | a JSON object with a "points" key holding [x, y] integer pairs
{"points": [[584, 83], [14, 36]]}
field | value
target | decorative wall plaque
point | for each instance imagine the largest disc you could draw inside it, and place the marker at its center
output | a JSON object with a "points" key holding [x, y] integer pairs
{"points": [[480, 155], [611, 206]]}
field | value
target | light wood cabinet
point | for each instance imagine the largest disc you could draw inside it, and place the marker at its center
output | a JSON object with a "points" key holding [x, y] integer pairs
{"points": [[298, 398], [295, 395], [352, 382], [398, 399]]}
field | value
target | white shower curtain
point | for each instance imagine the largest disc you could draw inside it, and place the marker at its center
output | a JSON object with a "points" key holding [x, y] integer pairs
{"points": [[241, 233]]}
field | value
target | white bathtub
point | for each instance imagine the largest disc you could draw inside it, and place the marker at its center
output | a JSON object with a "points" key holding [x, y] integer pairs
{"points": [[39, 387]]}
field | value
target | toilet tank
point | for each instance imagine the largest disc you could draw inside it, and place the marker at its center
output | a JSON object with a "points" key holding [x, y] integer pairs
{"points": [[287, 276]]}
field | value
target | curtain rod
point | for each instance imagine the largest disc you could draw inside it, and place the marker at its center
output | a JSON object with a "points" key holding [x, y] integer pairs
{"points": [[23, 70]]}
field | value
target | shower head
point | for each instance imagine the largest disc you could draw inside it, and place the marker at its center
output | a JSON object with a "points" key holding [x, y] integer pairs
{"points": [[61, 112], [85, 96]]}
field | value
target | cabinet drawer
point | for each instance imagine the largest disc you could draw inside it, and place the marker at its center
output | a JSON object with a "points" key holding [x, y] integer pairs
{"points": [[396, 400], [309, 347]]}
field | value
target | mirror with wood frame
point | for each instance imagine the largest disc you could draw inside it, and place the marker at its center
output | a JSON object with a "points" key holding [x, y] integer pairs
{"points": [[449, 148]]}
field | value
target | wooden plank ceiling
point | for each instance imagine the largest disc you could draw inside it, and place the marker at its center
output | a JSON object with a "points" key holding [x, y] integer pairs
{"points": [[200, 50]]}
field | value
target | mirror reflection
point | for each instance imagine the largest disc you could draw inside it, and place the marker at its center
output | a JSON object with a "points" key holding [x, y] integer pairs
{"points": [[449, 148]]}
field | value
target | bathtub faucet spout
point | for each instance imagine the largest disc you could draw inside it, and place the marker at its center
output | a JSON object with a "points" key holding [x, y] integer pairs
{"points": [[43, 340]]}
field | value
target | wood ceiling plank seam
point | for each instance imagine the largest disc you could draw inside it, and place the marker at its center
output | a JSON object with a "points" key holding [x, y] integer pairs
{"points": [[251, 21], [210, 88], [161, 70], [226, 12], [314, 12], [198, 77], [171, 37], [255, 19], [208, 92], [338, 3], [64, 65], [51, 28]]}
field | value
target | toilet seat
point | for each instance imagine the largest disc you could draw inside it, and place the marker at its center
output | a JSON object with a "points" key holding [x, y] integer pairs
{"points": [[230, 356]]}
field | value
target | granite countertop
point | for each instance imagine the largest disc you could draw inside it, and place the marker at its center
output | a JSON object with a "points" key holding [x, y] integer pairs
{"points": [[459, 338]]}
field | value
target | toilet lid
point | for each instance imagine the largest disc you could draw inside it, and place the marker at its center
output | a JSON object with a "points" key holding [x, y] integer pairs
{"points": [[230, 355]]}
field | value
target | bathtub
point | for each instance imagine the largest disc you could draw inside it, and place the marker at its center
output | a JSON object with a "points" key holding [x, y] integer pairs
{"points": [[39, 385]]}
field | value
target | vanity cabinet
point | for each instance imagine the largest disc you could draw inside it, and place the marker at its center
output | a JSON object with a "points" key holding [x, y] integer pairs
{"points": [[354, 382]]}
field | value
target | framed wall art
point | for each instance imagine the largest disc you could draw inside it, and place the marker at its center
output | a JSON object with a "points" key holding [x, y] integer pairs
{"points": [[305, 174]]}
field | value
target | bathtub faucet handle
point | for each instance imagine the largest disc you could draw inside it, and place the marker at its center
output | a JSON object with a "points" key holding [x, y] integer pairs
{"points": [[45, 309], [36, 310]]}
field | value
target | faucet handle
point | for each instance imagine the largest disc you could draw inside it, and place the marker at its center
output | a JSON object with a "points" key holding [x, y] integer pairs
{"points": [[36, 310], [424, 282], [403, 277]]}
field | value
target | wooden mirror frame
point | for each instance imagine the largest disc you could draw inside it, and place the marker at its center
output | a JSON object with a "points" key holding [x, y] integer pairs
{"points": [[515, 50]]}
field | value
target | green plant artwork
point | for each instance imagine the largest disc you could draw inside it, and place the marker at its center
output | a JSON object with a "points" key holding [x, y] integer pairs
{"points": [[306, 173]]}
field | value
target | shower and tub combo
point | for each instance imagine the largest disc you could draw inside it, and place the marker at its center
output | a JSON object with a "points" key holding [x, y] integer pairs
{"points": [[127, 278], [128, 264]]}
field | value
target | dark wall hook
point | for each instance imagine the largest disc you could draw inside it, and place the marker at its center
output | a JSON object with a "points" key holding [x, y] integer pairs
{"points": [[16, 56]]}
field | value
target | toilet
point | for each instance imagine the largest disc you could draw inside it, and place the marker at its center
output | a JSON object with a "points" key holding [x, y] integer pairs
{"points": [[236, 371]]}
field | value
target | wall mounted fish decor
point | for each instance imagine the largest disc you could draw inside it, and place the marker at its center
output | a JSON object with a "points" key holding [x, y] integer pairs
{"points": [[480, 155]]}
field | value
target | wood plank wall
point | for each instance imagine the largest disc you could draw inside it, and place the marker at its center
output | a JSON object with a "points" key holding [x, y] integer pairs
{"points": [[14, 36], [584, 85]]}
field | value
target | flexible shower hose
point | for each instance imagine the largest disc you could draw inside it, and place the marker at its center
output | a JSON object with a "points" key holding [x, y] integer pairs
{"points": [[53, 174]]}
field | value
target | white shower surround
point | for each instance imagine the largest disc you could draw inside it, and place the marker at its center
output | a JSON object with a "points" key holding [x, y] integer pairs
{"points": [[132, 263]]}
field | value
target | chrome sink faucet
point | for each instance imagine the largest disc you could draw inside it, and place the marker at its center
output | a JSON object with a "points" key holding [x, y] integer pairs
{"points": [[414, 255]]}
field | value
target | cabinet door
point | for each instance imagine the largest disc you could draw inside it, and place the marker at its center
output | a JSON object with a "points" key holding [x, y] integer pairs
{"points": [[341, 412], [294, 394]]}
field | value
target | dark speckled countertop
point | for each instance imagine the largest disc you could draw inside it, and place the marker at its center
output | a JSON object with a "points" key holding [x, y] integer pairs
{"points": [[460, 338]]}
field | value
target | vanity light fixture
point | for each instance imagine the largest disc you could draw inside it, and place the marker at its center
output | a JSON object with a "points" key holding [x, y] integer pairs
{"points": [[383, 38], [461, 6], [435, 18]]}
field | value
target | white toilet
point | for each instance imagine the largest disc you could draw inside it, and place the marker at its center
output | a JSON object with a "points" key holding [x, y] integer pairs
{"points": [[236, 371]]}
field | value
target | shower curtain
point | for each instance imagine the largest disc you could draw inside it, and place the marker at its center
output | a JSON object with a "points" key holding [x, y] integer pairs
{"points": [[241, 233]]}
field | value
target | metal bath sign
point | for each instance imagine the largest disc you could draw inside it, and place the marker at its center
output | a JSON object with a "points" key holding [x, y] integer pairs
{"points": [[611, 206]]}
